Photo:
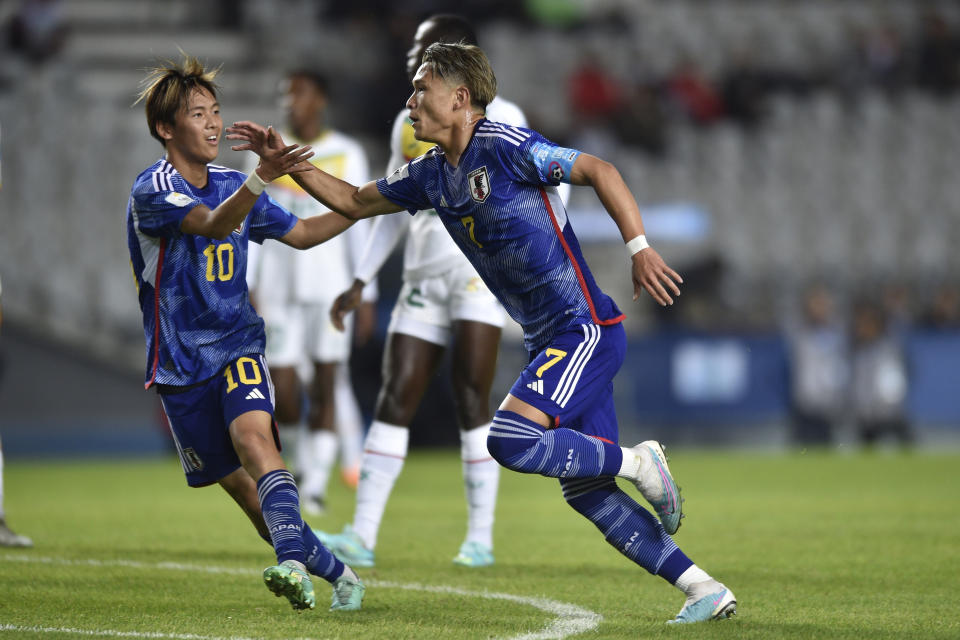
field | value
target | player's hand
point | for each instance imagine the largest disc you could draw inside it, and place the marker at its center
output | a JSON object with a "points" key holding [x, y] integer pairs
{"points": [[650, 272], [345, 303]]}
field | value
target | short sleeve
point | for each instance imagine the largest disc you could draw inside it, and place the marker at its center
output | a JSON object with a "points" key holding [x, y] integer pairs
{"points": [[160, 211], [269, 220], [402, 187], [540, 161]]}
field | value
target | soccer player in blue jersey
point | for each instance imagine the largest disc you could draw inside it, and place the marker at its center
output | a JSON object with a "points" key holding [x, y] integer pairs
{"points": [[188, 225], [494, 188]]}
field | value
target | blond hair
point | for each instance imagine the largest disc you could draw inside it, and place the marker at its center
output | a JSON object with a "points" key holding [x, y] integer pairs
{"points": [[167, 88], [465, 64]]}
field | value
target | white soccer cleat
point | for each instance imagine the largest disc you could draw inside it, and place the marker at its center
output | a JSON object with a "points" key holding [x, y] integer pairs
{"points": [[655, 483]]}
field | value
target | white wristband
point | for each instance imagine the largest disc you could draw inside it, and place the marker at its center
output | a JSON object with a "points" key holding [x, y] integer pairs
{"points": [[637, 244], [255, 183]]}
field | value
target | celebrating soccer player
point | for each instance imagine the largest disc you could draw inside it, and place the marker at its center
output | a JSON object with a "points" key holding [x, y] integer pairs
{"points": [[188, 225], [494, 188]]}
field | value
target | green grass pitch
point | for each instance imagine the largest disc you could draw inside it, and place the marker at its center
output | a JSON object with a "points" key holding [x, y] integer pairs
{"points": [[815, 546]]}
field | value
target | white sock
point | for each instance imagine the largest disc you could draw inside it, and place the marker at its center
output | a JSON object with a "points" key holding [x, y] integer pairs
{"points": [[695, 582], [385, 450], [322, 451], [347, 419], [481, 476], [631, 465]]}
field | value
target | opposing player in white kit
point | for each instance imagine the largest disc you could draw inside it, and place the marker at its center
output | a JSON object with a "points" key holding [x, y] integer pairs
{"points": [[442, 297], [294, 291]]}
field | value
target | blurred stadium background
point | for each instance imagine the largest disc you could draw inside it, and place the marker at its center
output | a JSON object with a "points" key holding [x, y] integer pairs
{"points": [[774, 145]]}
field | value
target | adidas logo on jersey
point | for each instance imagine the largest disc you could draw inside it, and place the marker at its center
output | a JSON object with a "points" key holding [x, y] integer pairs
{"points": [[255, 395], [536, 385]]}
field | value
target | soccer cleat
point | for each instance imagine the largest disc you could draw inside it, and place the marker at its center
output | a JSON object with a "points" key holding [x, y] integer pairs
{"points": [[656, 485], [474, 554], [715, 606], [10, 539], [348, 547], [289, 579], [314, 505], [347, 594]]}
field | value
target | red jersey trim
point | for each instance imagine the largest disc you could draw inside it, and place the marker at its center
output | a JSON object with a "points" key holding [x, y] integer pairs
{"points": [[576, 266], [156, 315]]}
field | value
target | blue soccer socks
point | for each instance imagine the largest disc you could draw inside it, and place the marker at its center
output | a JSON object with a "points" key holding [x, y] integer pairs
{"points": [[522, 445], [631, 529], [280, 504], [320, 560]]}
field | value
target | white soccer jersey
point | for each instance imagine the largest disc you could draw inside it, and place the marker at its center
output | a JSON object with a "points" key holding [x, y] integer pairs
{"points": [[429, 251], [283, 275]]}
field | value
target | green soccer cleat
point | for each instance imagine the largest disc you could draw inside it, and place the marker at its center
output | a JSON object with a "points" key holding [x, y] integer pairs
{"points": [[289, 579], [657, 486], [348, 547], [474, 554], [715, 606], [347, 594]]}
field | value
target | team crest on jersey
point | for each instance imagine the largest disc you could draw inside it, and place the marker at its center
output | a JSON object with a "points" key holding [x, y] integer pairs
{"points": [[479, 184], [191, 457]]}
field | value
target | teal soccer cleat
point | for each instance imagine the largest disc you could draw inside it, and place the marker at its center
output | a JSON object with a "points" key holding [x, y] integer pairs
{"points": [[289, 579], [715, 606], [347, 546], [347, 594], [474, 554], [656, 484]]}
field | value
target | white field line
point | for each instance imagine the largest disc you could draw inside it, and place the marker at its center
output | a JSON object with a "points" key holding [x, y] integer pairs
{"points": [[569, 619]]}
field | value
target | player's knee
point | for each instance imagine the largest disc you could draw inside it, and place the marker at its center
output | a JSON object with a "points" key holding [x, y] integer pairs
{"points": [[511, 438], [392, 406]]}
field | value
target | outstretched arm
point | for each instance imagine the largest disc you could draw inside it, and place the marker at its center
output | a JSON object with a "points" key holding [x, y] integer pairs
{"points": [[221, 221], [335, 194], [649, 271]]}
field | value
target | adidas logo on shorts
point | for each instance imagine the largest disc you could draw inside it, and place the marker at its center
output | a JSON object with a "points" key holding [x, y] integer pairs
{"points": [[536, 385], [255, 395]]}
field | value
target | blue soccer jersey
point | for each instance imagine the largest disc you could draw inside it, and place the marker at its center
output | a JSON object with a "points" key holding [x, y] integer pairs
{"points": [[501, 207], [197, 316]]}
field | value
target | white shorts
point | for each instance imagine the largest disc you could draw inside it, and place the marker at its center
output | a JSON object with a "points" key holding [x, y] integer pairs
{"points": [[427, 307], [299, 333]]}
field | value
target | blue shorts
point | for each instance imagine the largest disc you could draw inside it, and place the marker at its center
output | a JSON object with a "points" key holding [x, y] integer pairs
{"points": [[572, 379], [200, 417]]}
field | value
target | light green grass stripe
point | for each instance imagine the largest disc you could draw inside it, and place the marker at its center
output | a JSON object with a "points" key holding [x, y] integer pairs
{"points": [[570, 619]]}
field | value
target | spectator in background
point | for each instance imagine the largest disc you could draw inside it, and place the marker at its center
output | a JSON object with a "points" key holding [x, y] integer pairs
{"points": [[38, 29], [943, 313], [693, 95], [938, 56], [818, 356], [744, 90], [879, 378], [7, 537]]}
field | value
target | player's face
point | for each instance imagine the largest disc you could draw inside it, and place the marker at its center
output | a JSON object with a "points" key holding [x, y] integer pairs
{"points": [[196, 134], [431, 105], [304, 104], [424, 37]]}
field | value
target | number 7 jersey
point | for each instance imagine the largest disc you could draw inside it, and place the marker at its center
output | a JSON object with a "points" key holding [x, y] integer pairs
{"points": [[197, 315], [500, 206]]}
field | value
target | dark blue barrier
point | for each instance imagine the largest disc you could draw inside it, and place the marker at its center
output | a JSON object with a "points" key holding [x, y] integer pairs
{"points": [[698, 378], [693, 377], [934, 361]]}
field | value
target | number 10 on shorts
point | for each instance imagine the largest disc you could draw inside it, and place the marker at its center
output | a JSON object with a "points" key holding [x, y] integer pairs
{"points": [[244, 369]]}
